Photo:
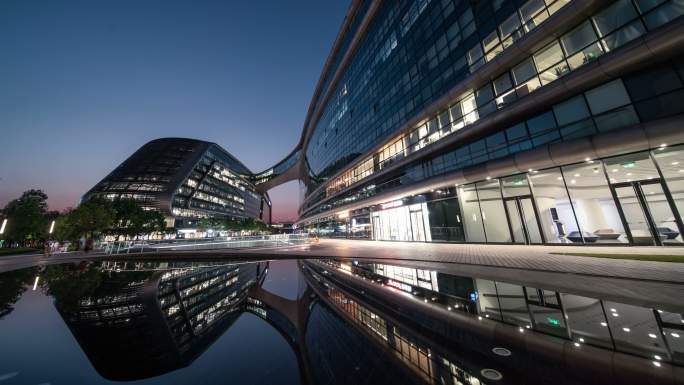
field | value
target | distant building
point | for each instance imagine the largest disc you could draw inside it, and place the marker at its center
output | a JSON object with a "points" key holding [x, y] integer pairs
{"points": [[186, 180], [284, 227]]}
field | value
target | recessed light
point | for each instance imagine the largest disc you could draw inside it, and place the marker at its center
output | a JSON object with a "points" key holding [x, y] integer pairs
{"points": [[576, 175], [604, 324], [652, 335], [614, 170], [627, 330], [656, 363], [675, 163], [573, 181]]}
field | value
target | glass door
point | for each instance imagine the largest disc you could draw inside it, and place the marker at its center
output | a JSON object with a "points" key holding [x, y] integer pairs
{"points": [[417, 226], [523, 218], [638, 223], [661, 210], [517, 226]]}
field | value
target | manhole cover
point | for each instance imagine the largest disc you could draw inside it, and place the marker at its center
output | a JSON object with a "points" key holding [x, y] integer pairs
{"points": [[503, 352], [491, 374]]}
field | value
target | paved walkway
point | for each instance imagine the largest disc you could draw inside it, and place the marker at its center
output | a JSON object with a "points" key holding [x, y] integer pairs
{"points": [[637, 282]]}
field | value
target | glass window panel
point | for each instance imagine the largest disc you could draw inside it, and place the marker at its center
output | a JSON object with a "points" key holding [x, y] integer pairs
{"points": [[510, 25], [672, 330], [472, 218], [487, 299], [490, 41], [633, 328], [516, 132], [515, 185], [523, 71], [615, 16], [594, 205], [664, 14], [513, 304], [624, 35], [541, 123], [474, 54], [555, 213], [607, 96], [571, 110], [586, 320], [651, 82], [630, 168], [548, 56], [622, 117], [483, 95], [493, 213], [531, 9], [502, 84], [671, 164], [455, 112], [585, 56], [578, 38], [578, 129], [646, 5]]}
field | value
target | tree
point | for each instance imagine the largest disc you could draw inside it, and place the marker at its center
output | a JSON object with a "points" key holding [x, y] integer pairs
{"points": [[131, 220], [26, 217], [92, 218]]}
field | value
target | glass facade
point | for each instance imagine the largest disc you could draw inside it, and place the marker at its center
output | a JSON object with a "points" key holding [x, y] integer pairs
{"points": [[414, 53], [627, 199], [186, 179]]}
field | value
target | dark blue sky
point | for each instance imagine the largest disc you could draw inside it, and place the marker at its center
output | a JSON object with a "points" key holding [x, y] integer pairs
{"points": [[83, 84]]}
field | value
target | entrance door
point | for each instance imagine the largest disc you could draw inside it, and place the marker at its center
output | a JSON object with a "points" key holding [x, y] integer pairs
{"points": [[417, 226], [647, 212], [523, 218], [377, 235]]}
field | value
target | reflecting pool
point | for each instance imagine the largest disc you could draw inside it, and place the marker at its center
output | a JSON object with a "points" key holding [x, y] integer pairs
{"points": [[323, 321]]}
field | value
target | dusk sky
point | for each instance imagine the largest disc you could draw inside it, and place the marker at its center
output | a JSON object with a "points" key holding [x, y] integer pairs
{"points": [[83, 84]]}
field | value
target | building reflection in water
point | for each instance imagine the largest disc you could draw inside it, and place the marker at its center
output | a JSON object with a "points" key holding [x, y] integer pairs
{"points": [[356, 323]]}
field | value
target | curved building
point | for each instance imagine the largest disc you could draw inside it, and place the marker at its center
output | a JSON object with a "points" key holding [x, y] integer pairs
{"points": [[523, 121], [186, 179]]}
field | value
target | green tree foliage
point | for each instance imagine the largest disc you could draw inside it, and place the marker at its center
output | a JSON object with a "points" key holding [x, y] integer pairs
{"points": [[26, 217], [99, 216]]}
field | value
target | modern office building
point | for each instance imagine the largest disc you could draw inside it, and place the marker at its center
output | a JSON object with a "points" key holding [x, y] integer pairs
{"points": [[522, 121], [186, 179]]}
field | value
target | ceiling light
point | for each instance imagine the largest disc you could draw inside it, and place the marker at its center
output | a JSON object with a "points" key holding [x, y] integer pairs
{"points": [[627, 330], [576, 175], [604, 324], [652, 335], [656, 363]]}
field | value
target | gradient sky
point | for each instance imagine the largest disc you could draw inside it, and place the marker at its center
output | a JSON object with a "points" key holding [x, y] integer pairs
{"points": [[83, 84]]}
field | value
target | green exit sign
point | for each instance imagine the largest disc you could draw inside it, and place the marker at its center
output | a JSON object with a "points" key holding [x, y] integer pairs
{"points": [[553, 321]]}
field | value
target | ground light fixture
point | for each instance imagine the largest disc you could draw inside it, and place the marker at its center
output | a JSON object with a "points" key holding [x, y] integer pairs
{"points": [[52, 227], [3, 225]]}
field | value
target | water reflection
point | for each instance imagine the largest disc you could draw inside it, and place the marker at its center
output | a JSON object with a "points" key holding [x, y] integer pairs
{"points": [[349, 322]]}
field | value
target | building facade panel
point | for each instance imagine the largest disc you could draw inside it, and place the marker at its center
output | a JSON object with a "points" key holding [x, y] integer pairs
{"points": [[186, 179], [549, 80]]}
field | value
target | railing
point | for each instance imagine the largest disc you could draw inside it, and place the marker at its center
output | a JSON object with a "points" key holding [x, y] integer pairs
{"points": [[155, 246]]}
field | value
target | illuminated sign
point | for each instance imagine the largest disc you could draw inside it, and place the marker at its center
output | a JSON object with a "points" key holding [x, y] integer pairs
{"points": [[400, 286], [553, 321], [473, 296]]}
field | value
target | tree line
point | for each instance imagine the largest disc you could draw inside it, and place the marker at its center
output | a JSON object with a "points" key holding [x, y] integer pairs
{"points": [[29, 221]]}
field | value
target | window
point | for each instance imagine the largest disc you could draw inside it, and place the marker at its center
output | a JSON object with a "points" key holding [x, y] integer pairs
{"points": [[548, 56], [524, 71], [491, 204], [582, 39], [571, 110], [502, 84], [555, 212], [579, 38], [471, 214], [606, 97], [510, 25], [593, 204], [533, 13], [614, 17]]}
